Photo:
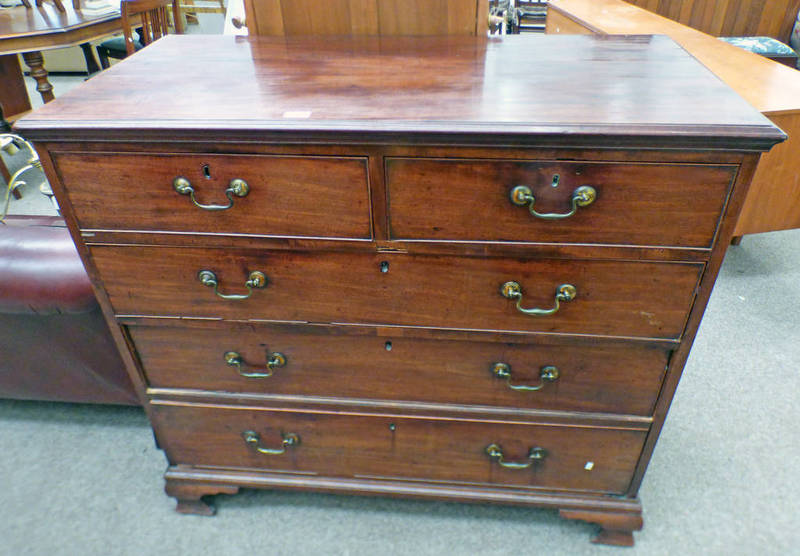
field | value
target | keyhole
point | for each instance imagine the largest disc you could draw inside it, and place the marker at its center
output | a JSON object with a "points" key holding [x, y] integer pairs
{"points": [[384, 266], [556, 179], [206, 172], [388, 346]]}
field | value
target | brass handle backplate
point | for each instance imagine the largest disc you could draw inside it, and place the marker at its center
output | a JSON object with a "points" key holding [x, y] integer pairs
{"points": [[583, 196], [564, 292], [535, 455], [234, 359], [253, 440], [256, 279], [237, 187], [548, 373]]}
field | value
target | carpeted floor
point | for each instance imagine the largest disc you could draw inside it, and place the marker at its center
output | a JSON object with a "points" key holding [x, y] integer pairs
{"points": [[85, 480]]}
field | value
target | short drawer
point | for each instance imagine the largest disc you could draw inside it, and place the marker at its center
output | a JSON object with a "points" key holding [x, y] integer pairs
{"points": [[293, 196], [341, 445], [612, 298], [324, 362], [634, 204]]}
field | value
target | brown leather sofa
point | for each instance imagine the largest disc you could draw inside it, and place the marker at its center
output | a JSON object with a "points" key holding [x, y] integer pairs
{"points": [[54, 343]]}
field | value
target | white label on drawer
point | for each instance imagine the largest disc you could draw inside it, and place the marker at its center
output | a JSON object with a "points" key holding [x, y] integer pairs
{"points": [[589, 466], [297, 114]]}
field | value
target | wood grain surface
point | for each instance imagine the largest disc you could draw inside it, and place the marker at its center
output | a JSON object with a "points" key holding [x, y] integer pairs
{"points": [[726, 18], [614, 298], [677, 205], [390, 85], [13, 92], [773, 201], [366, 17], [610, 378], [289, 195], [435, 450]]}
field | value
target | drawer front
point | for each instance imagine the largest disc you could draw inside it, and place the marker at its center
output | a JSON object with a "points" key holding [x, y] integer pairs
{"points": [[287, 196], [337, 445], [635, 204], [613, 298], [270, 360]]}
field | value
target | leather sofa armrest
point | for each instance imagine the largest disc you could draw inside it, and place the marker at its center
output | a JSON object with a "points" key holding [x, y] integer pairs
{"points": [[40, 270]]}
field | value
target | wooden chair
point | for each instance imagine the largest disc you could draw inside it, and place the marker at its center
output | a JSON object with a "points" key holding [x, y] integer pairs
{"points": [[366, 17], [154, 25]]}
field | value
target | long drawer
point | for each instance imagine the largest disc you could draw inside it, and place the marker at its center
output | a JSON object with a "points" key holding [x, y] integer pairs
{"points": [[286, 195], [322, 361], [633, 204], [611, 297], [362, 445]]}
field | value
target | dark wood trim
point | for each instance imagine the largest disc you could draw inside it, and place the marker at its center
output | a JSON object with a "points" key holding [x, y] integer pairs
{"points": [[679, 357], [740, 138], [616, 528], [189, 495], [400, 488], [397, 331], [13, 93], [120, 339], [414, 150], [466, 248], [377, 192], [417, 410]]}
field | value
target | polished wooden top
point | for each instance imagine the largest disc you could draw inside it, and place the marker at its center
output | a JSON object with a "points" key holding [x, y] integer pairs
{"points": [[42, 27], [48, 19], [769, 86], [527, 89]]}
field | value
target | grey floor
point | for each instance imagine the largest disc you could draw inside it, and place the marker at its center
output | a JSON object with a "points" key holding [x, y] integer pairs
{"points": [[80, 480]]}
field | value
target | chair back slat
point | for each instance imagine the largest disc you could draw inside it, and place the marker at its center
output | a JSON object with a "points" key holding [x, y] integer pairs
{"points": [[153, 17]]}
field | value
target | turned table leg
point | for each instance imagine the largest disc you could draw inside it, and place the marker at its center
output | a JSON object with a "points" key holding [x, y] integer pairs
{"points": [[189, 496], [616, 527], [35, 62]]}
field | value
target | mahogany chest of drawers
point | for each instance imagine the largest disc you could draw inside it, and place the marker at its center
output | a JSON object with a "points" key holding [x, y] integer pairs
{"points": [[461, 269]]}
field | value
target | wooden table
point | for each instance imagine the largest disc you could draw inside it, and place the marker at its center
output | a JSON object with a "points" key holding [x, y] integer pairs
{"points": [[30, 31], [773, 202]]}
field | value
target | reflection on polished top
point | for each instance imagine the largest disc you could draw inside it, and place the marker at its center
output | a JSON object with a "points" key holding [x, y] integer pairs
{"points": [[47, 18], [531, 87]]}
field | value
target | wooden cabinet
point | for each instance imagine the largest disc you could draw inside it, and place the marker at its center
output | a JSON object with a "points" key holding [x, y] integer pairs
{"points": [[433, 285]]}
